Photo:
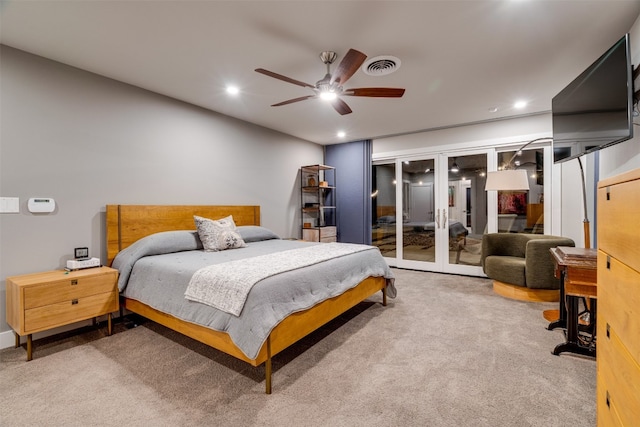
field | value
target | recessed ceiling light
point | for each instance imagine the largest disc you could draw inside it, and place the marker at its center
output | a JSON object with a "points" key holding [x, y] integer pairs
{"points": [[493, 109], [520, 104], [233, 90], [341, 134]]}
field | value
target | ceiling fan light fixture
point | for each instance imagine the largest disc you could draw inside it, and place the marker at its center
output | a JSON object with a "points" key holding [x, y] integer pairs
{"points": [[328, 96], [331, 87]]}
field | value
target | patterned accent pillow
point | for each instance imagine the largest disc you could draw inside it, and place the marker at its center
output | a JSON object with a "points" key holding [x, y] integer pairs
{"points": [[218, 235]]}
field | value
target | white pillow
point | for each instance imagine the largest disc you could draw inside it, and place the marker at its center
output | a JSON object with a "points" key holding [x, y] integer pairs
{"points": [[218, 235]]}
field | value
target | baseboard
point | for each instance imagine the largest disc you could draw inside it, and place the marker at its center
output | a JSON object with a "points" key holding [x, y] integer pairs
{"points": [[6, 339]]}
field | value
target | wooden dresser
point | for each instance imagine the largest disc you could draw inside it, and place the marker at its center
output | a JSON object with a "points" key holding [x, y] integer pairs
{"points": [[618, 357], [40, 301]]}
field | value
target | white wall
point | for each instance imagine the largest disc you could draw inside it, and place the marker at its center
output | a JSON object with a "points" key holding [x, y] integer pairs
{"points": [[626, 156], [500, 132], [88, 141]]}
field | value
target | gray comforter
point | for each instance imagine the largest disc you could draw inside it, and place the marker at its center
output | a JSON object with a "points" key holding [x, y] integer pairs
{"points": [[156, 271]]}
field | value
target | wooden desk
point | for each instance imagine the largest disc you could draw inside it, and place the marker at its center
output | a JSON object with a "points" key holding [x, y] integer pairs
{"points": [[577, 270]]}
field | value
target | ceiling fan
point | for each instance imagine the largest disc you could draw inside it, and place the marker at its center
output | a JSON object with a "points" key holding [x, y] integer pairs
{"points": [[331, 86]]}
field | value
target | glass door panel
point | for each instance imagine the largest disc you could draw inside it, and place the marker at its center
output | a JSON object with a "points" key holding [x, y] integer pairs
{"points": [[418, 210], [523, 211], [466, 209], [430, 213], [383, 205]]}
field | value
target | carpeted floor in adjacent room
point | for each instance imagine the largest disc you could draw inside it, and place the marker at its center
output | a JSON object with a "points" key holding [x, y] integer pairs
{"points": [[446, 352]]}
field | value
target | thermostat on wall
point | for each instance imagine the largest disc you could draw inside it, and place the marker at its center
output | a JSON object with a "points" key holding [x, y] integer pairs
{"points": [[41, 204]]}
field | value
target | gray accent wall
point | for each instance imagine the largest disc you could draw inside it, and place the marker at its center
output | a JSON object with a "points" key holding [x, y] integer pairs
{"points": [[353, 189], [88, 141]]}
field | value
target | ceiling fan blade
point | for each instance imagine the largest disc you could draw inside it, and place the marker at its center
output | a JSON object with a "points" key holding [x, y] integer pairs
{"points": [[291, 101], [341, 106], [283, 78], [379, 92], [348, 66]]}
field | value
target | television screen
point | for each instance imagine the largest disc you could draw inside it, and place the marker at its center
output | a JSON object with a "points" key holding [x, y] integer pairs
{"points": [[595, 110]]}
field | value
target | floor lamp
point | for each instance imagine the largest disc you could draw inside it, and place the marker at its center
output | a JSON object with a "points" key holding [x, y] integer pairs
{"points": [[509, 178], [585, 221]]}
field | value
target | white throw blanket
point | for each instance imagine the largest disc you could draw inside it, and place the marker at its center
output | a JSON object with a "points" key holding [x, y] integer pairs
{"points": [[226, 286]]}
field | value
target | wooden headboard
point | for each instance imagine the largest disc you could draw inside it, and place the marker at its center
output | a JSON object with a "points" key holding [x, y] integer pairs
{"points": [[128, 223]]}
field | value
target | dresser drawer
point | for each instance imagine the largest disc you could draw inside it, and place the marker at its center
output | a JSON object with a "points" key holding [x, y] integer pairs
{"points": [[606, 410], [68, 289], [72, 310], [620, 375], [618, 209], [619, 301]]}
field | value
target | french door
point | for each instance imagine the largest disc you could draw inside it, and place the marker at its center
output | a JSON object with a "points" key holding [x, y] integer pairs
{"points": [[430, 212]]}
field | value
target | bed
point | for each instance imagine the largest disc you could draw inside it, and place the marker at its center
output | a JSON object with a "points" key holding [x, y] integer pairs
{"points": [[267, 324]]}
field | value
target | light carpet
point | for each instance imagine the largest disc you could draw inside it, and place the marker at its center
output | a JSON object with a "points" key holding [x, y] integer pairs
{"points": [[446, 352]]}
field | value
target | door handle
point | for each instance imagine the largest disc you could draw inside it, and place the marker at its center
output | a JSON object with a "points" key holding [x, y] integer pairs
{"points": [[438, 218], [444, 218]]}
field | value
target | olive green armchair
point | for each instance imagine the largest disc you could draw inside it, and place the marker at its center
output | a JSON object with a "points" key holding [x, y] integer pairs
{"points": [[521, 265]]}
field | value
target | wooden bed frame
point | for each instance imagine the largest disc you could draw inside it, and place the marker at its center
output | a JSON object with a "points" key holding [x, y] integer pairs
{"points": [[129, 223]]}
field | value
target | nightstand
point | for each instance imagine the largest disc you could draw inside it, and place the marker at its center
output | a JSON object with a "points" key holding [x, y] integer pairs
{"points": [[41, 301]]}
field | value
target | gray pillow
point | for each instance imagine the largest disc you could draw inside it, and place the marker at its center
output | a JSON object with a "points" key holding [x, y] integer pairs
{"points": [[255, 233], [218, 235]]}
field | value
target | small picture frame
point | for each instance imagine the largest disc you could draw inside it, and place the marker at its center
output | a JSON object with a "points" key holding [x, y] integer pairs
{"points": [[81, 253]]}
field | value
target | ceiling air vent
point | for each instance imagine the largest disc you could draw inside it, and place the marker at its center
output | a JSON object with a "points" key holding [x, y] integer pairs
{"points": [[381, 65]]}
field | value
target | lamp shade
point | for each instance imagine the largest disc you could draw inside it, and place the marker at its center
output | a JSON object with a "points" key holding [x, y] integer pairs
{"points": [[507, 180]]}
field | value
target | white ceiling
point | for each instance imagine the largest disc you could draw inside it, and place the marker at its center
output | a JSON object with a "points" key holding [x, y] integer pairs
{"points": [[459, 58]]}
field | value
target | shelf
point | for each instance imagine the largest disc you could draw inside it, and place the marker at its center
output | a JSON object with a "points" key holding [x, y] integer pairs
{"points": [[319, 213], [316, 168], [317, 208], [313, 189]]}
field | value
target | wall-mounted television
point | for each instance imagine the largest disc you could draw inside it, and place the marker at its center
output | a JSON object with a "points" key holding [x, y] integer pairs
{"points": [[596, 109]]}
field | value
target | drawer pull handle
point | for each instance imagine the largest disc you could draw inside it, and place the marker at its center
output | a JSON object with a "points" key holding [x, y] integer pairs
{"points": [[608, 333], [608, 262], [74, 282], [608, 401], [74, 301], [608, 193]]}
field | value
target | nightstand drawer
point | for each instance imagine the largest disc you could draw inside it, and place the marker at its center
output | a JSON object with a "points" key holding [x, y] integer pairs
{"points": [[68, 289], [73, 310]]}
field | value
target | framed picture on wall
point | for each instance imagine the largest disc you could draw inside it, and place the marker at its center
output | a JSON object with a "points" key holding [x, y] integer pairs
{"points": [[512, 202], [452, 196]]}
